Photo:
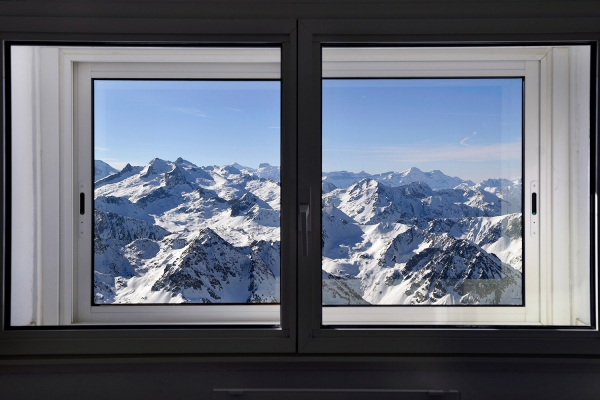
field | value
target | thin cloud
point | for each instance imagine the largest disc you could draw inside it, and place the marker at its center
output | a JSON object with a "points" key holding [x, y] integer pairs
{"points": [[190, 111], [101, 148], [235, 109], [419, 154], [472, 113], [274, 127], [464, 141]]}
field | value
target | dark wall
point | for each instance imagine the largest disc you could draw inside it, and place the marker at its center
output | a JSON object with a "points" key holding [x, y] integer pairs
{"points": [[490, 379], [172, 378], [295, 9]]}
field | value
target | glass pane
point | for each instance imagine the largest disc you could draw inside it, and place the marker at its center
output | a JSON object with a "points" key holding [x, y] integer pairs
{"points": [[421, 192], [187, 192]]}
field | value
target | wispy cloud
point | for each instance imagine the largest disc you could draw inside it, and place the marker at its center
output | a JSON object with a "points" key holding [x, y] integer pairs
{"points": [[472, 113], [274, 127], [235, 109], [417, 154], [107, 159], [464, 141], [190, 111], [101, 148]]}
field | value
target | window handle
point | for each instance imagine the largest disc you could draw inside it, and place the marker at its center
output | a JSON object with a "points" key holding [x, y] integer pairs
{"points": [[304, 226], [534, 219], [81, 203], [82, 190]]}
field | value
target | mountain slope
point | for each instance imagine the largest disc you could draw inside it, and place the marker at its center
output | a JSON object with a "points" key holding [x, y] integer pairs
{"points": [[174, 232], [102, 170], [435, 179]]}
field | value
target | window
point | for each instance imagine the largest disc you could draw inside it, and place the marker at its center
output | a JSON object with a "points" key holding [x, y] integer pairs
{"points": [[160, 213], [87, 272], [406, 246]]}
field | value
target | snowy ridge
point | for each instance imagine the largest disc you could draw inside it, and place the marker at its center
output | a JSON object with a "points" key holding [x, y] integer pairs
{"points": [[102, 170], [435, 179], [510, 191], [411, 244], [174, 232]]}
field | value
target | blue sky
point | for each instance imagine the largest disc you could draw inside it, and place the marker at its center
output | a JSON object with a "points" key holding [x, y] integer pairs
{"points": [[469, 128], [205, 122]]}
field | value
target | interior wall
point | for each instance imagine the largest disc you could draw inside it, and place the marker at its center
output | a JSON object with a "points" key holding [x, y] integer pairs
{"points": [[196, 379]]}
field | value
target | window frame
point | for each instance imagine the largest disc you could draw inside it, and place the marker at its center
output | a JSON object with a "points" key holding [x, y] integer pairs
{"points": [[300, 37], [182, 338], [315, 338], [128, 64], [459, 62], [546, 117]]}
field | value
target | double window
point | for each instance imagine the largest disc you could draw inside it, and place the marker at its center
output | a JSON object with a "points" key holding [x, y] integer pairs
{"points": [[431, 188]]}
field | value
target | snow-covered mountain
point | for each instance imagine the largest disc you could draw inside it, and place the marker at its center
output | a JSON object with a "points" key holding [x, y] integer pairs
{"points": [[176, 232], [411, 244], [434, 179], [264, 170], [173, 232], [510, 191], [102, 170]]}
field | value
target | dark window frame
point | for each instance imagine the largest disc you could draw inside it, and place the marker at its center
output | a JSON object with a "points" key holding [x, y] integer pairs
{"points": [[165, 338], [302, 333], [313, 337]]}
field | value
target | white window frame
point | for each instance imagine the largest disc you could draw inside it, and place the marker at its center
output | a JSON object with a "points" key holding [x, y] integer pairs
{"points": [[563, 127], [556, 130], [63, 273]]}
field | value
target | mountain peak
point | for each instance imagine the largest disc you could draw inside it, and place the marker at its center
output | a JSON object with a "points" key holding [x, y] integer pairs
{"points": [[184, 163], [156, 166], [102, 170], [228, 169], [413, 170], [364, 184], [417, 189], [175, 177], [238, 166]]}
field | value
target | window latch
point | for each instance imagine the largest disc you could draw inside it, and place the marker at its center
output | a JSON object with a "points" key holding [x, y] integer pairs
{"points": [[304, 218], [304, 226], [534, 209], [81, 203]]}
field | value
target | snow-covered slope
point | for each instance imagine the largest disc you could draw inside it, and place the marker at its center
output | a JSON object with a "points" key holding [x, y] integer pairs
{"points": [[411, 244], [509, 191], [102, 170], [174, 232], [434, 179]]}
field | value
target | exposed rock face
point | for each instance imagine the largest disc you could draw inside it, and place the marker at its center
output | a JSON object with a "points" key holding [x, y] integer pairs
{"points": [[170, 232], [109, 225], [412, 244], [175, 232]]}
